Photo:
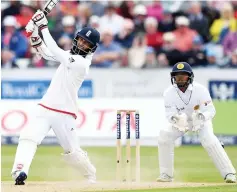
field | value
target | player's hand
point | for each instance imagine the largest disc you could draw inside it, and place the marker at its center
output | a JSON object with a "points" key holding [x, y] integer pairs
{"points": [[32, 29], [198, 120], [180, 122], [40, 20]]}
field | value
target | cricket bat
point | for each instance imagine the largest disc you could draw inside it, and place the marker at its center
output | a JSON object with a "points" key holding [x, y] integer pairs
{"points": [[50, 4]]}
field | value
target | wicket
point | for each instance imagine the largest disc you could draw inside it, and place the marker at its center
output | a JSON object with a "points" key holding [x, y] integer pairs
{"points": [[128, 145]]}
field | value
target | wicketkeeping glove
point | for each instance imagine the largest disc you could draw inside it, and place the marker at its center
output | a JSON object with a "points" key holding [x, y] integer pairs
{"points": [[198, 121], [180, 122], [40, 20]]}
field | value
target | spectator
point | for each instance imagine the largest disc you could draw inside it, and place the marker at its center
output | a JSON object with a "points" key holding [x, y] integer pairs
{"points": [[169, 55], [155, 10], [111, 20], [150, 61], [83, 16], [94, 22], [205, 21], [196, 56], [227, 22], [198, 21], [218, 5], [217, 51], [137, 53], [13, 9], [37, 4], [234, 3], [154, 37], [126, 35], [125, 9], [69, 8], [37, 61], [108, 52], [175, 6], [183, 34], [68, 34], [55, 23], [14, 44], [233, 61], [211, 13], [140, 14], [96, 8], [167, 23], [230, 43], [26, 12], [211, 58]]}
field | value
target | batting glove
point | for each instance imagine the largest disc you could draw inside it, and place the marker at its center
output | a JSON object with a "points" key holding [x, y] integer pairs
{"points": [[198, 120], [32, 28], [180, 122], [35, 39], [40, 20]]}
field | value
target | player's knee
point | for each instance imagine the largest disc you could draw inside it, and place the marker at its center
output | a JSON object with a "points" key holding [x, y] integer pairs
{"points": [[26, 137], [79, 159], [165, 137], [69, 148]]}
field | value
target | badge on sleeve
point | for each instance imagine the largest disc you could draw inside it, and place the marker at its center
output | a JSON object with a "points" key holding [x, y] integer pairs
{"points": [[196, 107]]}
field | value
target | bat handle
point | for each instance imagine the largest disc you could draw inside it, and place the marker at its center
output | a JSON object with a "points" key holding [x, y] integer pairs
{"points": [[45, 12]]}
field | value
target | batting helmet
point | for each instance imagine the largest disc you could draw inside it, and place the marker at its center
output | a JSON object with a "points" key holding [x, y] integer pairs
{"points": [[90, 35], [182, 67]]}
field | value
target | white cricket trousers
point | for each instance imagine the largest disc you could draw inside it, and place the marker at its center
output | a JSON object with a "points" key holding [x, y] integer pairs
{"points": [[209, 141], [64, 127]]}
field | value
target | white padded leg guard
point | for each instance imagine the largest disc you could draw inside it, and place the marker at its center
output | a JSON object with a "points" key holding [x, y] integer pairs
{"points": [[24, 155], [166, 144], [218, 155], [166, 152], [80, 161]]}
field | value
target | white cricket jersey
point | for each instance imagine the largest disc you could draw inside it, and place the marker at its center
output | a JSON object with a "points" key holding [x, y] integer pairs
{"points": [[62, 94], [196, 95]]}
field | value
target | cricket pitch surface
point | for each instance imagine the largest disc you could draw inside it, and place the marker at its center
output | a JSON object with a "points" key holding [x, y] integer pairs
{"points": [[78, 186]]}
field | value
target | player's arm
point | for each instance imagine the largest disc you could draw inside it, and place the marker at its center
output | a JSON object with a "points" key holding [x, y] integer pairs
{"points": [[178, 120], [205, 111], [170, 109], [206, 107], [42, 49], [37, 43], [41, 22]]}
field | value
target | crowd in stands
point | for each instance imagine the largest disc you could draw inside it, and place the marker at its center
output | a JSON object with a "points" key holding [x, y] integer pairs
{"points": [[134, 34]]}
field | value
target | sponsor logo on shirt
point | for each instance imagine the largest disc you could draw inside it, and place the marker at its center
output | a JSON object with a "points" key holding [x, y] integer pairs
{"points": [[71, 60], [180, 109]]}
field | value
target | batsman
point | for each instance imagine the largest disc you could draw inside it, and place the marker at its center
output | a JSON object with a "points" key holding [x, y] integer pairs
{"points": [[58, 109], [189, 107]]}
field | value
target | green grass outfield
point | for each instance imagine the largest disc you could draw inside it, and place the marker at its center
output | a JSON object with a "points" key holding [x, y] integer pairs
{"points": [[225, 120], [192, 164]]}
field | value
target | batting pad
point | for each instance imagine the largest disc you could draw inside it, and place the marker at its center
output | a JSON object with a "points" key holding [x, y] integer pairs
{"points": [[166, 153], [24, 155], [79, 160], [218, 156]]}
